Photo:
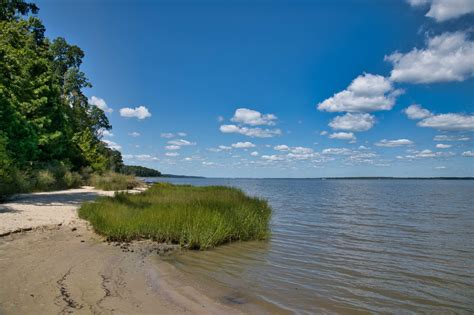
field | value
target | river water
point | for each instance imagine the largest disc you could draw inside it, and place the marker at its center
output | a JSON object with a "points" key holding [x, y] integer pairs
{"points": [[350, 246]]}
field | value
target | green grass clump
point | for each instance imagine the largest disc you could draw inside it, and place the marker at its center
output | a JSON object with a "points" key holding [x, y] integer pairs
{"points": [[113, 181], [194, 217]]}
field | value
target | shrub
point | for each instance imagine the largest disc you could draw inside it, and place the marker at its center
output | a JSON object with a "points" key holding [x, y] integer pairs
{"points": [[195, 217], [72, 179], [45, 180], [113, 181]]}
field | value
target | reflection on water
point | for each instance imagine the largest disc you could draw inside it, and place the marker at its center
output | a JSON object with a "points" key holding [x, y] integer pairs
{"points": [[348, 246]]}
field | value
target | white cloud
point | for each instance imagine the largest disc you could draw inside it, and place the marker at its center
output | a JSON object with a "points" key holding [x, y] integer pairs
{"points": [[208, 163], [254, 153], [224, 147], [415, 111], [443, 146], [429, 154], [140, 112], [172, 154], [301, 150], [112, 144], [323, 133], [243, 145], [440, 167], [342, 136], [393, 143], [140, 157], [442, 10], [181, 142], [449, 122], [182, 134], [272, 157], [100, 103], [468, 154], [105, 133], [172, 147], [253, 117], [134, 134], [448, 57], [451, 138], [281, 147], [337, 151], [353, 122], [220, 118], [367, 93], [167, 135], [250, 132]]}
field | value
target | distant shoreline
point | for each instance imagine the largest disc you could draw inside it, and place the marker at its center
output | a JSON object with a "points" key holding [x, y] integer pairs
{"points": [[321, 178]]}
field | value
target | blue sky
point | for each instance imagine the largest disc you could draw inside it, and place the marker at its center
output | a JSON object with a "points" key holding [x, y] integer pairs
{"points": [[280, 88]]}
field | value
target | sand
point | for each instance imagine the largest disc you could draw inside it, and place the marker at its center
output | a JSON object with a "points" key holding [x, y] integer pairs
{"points": [[61, 266]]}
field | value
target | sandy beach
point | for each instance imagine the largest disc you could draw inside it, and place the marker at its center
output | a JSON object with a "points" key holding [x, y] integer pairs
{"points": [[55, 263]]}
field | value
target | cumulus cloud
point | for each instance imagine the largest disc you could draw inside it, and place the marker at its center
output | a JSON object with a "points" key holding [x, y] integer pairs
{"points": [[112, 144], [468, 153], [253, 118], [105, 133], [243, 145], [451, 138], [443, 146], [415, 111], [367, 93], [254, 153], [281, 147], [272, 157], [134, 134], [443, 10], [449, 122], [353, 122], [342, 136], [172, 147], [181, 142], [182, 134], [428, 154], [337, 151], [172, 154], [250, 132], [447, 57], [393, 143], [100, 103], [167, 135], [140, 157], [140, 112]]}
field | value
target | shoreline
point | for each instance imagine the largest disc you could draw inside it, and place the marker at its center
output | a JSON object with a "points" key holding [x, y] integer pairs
{"points": [[60, 265]]}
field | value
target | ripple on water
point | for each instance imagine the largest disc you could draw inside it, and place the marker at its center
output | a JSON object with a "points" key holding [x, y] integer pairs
{"points": [[349, 246]]}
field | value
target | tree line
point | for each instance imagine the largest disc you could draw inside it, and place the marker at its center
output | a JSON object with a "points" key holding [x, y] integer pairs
{"points": [[49, 133]]}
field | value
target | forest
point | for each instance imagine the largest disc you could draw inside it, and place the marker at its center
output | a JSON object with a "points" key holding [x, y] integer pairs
{"points": [[50, 135]]}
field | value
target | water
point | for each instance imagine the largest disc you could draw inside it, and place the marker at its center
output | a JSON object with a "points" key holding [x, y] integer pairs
{"points": [[349, 246]]}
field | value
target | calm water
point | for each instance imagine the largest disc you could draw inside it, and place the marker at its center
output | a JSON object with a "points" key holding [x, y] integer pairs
{"points": [[348, 246]]}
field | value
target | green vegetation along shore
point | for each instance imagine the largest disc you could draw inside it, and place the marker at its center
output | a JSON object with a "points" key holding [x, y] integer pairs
{"points": [[194, 217]]}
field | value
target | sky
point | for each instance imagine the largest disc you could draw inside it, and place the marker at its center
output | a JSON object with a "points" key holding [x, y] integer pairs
{"points": [[280, 88]]}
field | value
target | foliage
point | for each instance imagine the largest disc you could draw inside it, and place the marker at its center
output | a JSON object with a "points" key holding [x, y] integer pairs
{"points": [[140, 171], [195, 217], [113, 181], [45, 118]]}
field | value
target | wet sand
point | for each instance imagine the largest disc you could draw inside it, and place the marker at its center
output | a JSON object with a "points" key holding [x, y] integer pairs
{"points": [[71, 270], [51, 262]]}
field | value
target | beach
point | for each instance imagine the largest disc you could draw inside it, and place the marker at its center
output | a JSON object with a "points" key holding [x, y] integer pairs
{"points": [[52, 262]]}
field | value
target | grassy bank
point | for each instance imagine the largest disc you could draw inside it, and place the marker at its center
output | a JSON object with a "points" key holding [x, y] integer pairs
{"points": [[196, 217]]}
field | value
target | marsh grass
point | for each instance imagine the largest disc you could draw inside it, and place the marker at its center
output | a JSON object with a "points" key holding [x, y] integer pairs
{"points": [[113, 181], [194, 217]]}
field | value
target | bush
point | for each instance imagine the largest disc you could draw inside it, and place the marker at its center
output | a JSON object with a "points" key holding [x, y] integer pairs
{"points": [[113, 181], [72, 179], [195, 217], [45, 180]]}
